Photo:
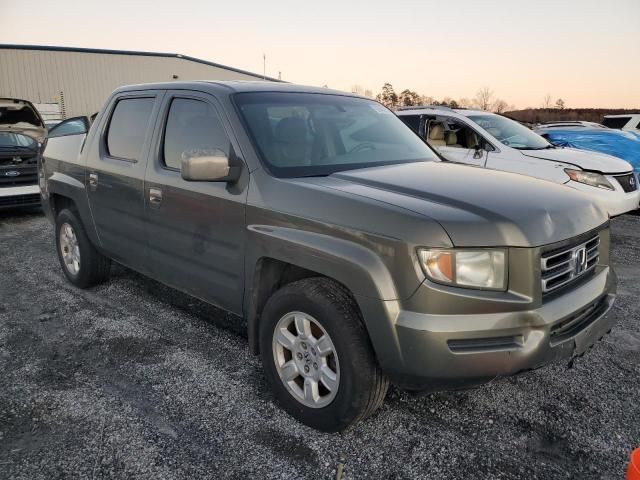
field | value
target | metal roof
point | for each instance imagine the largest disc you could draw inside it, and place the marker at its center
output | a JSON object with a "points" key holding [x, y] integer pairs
{"points": [[133, 53]]}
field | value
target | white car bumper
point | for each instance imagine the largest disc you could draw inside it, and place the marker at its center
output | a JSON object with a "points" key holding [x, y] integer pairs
{"points": [[17, 191], [24, 196], [615, 201]]}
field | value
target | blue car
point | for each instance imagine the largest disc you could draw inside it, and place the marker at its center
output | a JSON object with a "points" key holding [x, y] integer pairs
{"points": [[625, 145]]}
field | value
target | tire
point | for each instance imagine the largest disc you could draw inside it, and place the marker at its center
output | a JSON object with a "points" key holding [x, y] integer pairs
{"points": [[359, 386], [73, 244]]}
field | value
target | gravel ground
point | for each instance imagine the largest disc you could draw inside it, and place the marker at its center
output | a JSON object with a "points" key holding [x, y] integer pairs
{"points": [[134, 380]]}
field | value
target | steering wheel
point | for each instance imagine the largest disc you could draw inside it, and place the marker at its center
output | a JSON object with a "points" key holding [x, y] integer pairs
{"points": [[362, 146]]}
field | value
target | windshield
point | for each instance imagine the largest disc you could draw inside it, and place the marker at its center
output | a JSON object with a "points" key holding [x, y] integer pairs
{"points": [[511, 133], [12, 140], [306, 134]]}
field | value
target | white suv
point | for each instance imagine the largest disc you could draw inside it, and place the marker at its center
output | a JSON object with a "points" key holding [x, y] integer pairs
{"points": [[494, 141], [629, 123]]}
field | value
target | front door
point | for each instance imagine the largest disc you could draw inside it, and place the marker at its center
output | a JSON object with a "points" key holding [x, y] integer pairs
{"points": [[115, 176], [195, 230], [456, 141]]}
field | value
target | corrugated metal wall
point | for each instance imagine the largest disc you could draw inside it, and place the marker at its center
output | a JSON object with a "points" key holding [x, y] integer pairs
{"points": [[82, 81]]}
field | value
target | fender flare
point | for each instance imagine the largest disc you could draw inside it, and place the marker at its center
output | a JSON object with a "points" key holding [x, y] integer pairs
{"points": [[69, 187], [356, 267]]}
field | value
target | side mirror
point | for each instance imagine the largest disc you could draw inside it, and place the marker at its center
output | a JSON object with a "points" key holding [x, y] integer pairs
{"points": [[212, 167], [488, 147]]}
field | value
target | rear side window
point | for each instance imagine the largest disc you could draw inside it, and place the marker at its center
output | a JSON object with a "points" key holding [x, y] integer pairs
{"points": [[412, 121], [193, 129], [615, 122], [128, 127]]}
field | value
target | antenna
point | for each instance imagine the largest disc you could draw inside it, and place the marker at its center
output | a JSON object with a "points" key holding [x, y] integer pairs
{"points": [[264, 66]]}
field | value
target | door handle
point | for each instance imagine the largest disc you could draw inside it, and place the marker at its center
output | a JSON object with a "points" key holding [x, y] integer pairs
{"points": [[155, 196], [93, 180]]}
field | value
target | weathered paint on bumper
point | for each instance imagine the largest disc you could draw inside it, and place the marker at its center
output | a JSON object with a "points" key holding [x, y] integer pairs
{"points": [[615, 202], [429, 362]]}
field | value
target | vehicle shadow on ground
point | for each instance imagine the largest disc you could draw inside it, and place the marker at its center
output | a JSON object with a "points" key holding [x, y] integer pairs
{"points": [[20, 214], [181, 301]]}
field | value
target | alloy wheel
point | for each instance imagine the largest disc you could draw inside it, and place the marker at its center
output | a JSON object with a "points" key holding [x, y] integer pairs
{"points": [[306, 359]]}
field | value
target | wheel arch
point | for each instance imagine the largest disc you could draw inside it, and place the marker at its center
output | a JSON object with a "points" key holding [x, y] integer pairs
{"points": [[64, 190], [280, 255]]}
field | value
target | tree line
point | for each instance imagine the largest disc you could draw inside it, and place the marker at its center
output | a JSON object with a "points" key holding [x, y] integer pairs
{"points": [[484, 99]]}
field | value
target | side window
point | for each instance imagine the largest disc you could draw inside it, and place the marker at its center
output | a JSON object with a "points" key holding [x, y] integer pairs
{"points": [[412, 121], [615, 122], [193, 128], [128, 126], [450, 132]]}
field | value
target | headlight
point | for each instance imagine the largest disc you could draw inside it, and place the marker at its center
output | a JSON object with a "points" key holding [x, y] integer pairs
{"points": [[589, 178], [465, 268]]}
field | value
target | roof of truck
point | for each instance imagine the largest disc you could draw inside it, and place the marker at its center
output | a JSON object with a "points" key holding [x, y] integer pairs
{"points": [[236, 86]]}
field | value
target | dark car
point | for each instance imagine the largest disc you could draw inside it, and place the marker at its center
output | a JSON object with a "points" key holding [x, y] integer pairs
{"points": [[355, 255], [22, 133]]}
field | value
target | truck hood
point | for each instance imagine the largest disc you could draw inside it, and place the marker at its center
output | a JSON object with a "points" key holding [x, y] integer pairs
{"points": [[20, 116], [479, 207], [583, 159]]}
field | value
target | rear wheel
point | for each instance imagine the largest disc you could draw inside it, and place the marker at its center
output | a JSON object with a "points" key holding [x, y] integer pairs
{"points": [[81, 263], [317, 355]]}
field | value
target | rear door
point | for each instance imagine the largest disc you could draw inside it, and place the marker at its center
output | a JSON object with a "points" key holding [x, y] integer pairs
{"points": [[195, 230], [115, 175]]}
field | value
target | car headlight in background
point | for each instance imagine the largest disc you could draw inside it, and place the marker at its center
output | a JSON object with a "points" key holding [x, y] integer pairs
{"points": [[465, 268], [589, 178]]}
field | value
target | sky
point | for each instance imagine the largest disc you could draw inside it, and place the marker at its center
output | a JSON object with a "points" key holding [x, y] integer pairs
{"points": [[586, 52]]}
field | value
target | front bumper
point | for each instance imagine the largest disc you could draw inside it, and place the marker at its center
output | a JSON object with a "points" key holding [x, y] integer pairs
{"points": [[22, 196], [616, 202], [440, 352]]}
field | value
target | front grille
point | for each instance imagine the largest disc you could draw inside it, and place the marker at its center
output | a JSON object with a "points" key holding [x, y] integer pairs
{"points": [[20, 200], [19, 175], [13, 160], [564, 266], [628, 182], [577, 322]]}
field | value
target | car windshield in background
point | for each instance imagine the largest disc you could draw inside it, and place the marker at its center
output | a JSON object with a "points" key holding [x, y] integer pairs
{"points": [[511, 133], [305, 134], [10, 140]]}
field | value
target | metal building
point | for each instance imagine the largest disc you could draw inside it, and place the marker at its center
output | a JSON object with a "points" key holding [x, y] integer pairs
{"points": [[64, 82]]}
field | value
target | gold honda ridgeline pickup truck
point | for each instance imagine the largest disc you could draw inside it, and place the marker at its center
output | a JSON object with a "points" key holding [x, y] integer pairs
{"points": [[356, 255]]}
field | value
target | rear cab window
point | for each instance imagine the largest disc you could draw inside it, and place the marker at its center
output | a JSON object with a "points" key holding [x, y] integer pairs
{"points": [[128, 127]]}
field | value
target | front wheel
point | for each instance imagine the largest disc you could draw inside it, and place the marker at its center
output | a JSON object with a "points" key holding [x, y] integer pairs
{"points": [[317, 355], [81, 263]]}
